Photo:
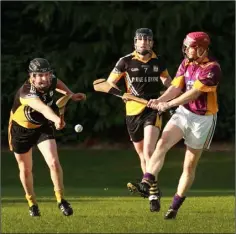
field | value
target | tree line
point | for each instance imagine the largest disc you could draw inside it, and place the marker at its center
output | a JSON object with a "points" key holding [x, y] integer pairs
{"points": [[84, 40]]}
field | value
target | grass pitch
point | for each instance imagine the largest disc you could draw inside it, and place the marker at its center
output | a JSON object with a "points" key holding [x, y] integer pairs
{"points": [[95, 183]]}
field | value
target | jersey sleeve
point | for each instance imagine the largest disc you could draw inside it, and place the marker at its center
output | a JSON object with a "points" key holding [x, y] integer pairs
{"points": [[208, 78], [118, 71], [27, 93], [179, 81], [165, 73], [163, 69]]}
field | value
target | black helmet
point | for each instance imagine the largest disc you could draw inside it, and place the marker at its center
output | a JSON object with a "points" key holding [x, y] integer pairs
{"points": [[39, 65], [143, 32], [147, 34]]}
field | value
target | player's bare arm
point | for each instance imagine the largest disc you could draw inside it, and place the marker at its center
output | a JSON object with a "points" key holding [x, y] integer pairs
{"points": [[171, 93], [186, 97], [117, 73], [112, 82], [48, 113], [75, 96], [166, 80]]}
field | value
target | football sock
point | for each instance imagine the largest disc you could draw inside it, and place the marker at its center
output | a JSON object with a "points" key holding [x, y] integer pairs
{"points": [[31, 200], [59, 195], [177, 202]]}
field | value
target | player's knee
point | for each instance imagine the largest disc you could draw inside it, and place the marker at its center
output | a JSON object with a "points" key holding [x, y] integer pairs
{"points": [[54, 165], [26, 172], [163, 145], [148, 153], [139, 150], [189, 169]]}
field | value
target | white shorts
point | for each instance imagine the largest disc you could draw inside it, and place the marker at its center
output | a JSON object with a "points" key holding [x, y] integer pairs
{"points": [[198, 129]]}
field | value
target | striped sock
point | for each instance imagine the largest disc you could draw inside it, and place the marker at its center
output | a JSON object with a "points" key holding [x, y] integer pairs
{"points": [[153, 189]]}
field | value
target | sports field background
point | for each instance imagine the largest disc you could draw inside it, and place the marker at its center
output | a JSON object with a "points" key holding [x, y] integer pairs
{"points": [[92, 36], [95, 182]]}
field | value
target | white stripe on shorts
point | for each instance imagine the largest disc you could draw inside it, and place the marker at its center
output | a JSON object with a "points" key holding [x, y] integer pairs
{"points": [[211, 133]]}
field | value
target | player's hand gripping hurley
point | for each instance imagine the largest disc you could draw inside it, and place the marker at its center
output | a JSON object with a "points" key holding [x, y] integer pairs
{"points": [[101, 85]]}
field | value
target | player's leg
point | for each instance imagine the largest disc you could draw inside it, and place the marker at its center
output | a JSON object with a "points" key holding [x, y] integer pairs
{"points": [[48, 147], [170, 136], [151, 135], [144, 136], [152, 128], [138, 146], [172, 133], [199, 136], [135, 130], [191, 160], [21, 141], [25, 165]]}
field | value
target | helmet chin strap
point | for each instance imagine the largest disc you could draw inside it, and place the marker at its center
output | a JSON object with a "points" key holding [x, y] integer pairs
{"points": [[201, 57], [145, 52], [45, 89], [42, 90]]}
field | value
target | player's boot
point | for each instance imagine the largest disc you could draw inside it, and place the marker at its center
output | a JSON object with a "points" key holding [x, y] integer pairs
{"points": [[171, 214], [65, 207], [154, 198], [34, 211], [142, 188]]}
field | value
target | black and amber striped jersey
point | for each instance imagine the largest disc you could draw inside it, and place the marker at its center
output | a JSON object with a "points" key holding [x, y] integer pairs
{"points": [[142, 78], [22, 113]]}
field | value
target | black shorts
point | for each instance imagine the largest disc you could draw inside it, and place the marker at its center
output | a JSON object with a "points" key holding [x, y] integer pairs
{"points": [[21, 139], [137, 123]]}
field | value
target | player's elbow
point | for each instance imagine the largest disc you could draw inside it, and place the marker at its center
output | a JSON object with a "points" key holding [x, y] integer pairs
{"points": [[110, 80], [112, 83], [196, 93], [175, 90]]}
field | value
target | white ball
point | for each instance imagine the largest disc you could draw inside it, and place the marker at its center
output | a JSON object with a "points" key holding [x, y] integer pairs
{"points": [[78, 128]]}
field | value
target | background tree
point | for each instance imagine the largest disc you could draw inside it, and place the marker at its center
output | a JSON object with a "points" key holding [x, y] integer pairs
{"points": [[84, 40]]}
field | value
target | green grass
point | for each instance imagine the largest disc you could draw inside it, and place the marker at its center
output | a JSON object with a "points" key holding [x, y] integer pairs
{"points": [[95, 184]]}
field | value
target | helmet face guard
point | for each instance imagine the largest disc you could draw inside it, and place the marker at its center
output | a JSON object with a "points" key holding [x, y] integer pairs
{"points": [[198, 40], [143, 34], [41, 73]]}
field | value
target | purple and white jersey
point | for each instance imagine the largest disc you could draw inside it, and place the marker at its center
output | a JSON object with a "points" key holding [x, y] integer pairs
{"points": [[204, 77]]}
